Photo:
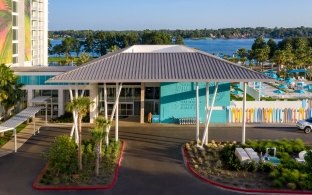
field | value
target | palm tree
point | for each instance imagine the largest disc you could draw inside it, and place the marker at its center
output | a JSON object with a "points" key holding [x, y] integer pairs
{"points": [[80, 106], [279, 58], [98, 134], [103, 123]]}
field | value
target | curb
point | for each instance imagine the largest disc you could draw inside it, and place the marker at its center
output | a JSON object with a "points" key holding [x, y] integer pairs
{"points": [[94, 187], [231, 188]]}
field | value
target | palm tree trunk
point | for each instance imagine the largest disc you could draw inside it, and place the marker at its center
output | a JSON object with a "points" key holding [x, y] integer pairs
{"points": [[106, 136], [97, 159], [101, 143], [79, 145]]}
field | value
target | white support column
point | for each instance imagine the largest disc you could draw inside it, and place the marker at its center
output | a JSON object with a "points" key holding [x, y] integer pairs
{"points": [[244, 114], [46, 113], [105, 101], [29, 96], [207, 111], [210, 113], [94, 98], [142, 103], [15, 142], [51, 109], [114, 108], [117, 113], [34, 125], [60, 101], [75, 125], [197, 112]]}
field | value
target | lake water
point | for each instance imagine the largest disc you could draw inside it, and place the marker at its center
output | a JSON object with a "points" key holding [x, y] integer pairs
{"points": [[213, 46], [221, 46]]}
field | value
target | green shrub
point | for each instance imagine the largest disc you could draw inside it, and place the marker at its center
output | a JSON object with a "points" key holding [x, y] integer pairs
{"points": [[62, 156], [249, 166], [308, 162], [227, 155], [277, 183], [291, 186]]}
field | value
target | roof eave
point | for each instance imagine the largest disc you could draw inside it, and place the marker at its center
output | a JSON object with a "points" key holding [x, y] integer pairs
{"points": [[159, 80]]}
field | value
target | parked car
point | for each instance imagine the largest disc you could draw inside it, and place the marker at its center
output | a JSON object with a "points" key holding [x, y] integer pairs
{"points": [[305, 125]]}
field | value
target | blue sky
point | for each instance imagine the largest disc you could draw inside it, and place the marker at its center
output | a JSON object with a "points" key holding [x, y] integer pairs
{"points": [[177, 14]]}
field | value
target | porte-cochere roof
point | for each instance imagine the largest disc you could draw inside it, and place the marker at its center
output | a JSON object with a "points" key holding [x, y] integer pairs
{"points": [[159, 63]]}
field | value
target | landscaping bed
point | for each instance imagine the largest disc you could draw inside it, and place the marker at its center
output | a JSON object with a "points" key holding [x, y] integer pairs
{"points": [[65, 175], [217, 164], [9, 134]]}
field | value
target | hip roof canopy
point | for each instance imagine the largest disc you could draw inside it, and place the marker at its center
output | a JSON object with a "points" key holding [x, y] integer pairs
{"points": [[159, 63]]}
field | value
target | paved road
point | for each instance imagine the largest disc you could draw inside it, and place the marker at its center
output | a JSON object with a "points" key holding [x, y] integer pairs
{"points": [[152, 162]]}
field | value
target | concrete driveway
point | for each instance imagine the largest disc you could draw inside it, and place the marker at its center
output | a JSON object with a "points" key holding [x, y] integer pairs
{"points": [[152, 161]]}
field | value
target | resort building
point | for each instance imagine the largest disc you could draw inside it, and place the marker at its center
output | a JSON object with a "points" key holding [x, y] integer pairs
{"points": [[24, 33], [169, 81]]}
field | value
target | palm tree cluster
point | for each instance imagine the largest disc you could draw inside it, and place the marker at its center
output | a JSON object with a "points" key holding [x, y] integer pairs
{"points": [[290, 53], [80, 106]]}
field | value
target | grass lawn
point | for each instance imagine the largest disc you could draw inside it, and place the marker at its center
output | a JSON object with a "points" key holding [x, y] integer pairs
{"points": [[9, 134], [60, 59]]}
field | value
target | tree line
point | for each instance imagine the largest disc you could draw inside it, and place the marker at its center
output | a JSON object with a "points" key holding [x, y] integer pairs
{"points": [[101, 43], [290, 53], [275, 33]]}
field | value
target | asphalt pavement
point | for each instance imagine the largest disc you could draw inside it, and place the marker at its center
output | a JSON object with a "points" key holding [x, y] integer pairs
{"points": [[152, 161]]}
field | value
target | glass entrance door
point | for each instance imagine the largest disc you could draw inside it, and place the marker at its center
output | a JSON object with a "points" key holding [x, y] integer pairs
{"points": [[151, 106]]}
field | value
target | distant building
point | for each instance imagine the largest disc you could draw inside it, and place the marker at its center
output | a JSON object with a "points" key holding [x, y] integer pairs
{"points": [[24, 33]]}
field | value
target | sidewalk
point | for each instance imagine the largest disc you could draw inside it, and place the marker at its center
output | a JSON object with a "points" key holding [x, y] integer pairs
{"points": [[21, 137]]}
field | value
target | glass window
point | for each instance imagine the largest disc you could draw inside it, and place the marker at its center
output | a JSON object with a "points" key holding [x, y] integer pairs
{"points": [[14, 6], [15, 34], [15, 60], [14, 20], [152, 93], [15, 48], [149, 92], [137, 92]]}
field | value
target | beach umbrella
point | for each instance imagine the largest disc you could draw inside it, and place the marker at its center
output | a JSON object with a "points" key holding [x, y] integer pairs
{"points": [[279, 91], [236, 85], [283, 86], [236, 92], [300, 91]]}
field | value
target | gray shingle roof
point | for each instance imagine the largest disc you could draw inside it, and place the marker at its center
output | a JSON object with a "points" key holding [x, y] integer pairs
{"points": [[43, 68], [160, 67]]}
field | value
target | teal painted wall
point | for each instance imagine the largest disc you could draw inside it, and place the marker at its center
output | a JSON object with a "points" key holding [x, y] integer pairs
{"points": [[177, 100]]}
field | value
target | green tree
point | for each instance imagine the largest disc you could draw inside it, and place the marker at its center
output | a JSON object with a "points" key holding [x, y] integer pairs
{"points": [[89, 44], [179, 40], [243, 55], [10, 89], [259, 43], [279, 58], [68, 45], [84, 58], [130, 38], [101, 43], [273, 47], [98, 134], [57, 49], [77, 45], [81, 106], [156, 38], [262, 55]]}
